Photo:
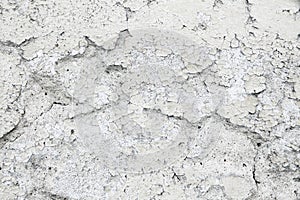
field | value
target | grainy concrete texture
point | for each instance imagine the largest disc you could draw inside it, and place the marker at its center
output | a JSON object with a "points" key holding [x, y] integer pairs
{"points": [[150, 99]]}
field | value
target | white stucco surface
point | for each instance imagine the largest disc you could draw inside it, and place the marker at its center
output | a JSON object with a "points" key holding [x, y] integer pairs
{"points": [[149, 99]]}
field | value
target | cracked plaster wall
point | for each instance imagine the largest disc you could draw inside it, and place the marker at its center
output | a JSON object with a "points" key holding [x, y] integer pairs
{"points": [[153, 99]]}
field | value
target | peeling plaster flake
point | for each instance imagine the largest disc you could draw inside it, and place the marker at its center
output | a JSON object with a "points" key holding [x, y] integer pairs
{"points": [[278, 17], [255, 84]]}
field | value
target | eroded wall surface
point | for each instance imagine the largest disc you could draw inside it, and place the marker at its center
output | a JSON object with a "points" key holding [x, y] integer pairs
{"points": [[150, 99]]}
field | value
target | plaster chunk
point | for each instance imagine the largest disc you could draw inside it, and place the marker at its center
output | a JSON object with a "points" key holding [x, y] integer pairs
{"points": [[255, 84], [234, 192]]}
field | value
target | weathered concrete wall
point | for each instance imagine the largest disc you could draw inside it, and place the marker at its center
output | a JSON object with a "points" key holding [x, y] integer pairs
{"points": [[150, 99]]}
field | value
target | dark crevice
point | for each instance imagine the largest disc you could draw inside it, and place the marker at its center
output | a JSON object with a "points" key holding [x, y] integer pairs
{"points": [[112, 68]]}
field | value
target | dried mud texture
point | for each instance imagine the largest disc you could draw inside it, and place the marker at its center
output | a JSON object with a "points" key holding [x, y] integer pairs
{"points": [[150, 99]]}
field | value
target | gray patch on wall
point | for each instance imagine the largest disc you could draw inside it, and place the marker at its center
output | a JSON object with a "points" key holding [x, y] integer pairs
{"points": [[138, 105]]}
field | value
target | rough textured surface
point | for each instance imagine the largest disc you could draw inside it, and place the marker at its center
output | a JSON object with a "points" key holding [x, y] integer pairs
{"points": [[153, 99]]}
